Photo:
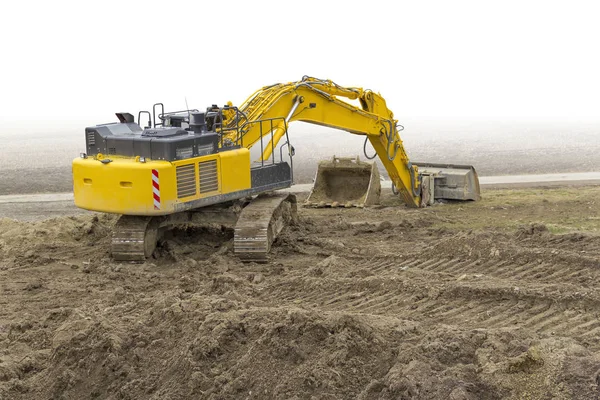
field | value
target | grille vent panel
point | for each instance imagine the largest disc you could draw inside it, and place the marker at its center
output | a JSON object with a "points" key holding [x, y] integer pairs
{"points": [[91, 137], [209, 179], [186, 180]]}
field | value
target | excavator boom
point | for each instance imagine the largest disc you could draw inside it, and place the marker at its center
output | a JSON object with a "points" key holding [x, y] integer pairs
{"points": [[318, 102]]}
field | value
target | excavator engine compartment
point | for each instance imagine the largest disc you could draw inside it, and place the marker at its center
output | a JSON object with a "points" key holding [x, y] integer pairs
{"points": [[180, 161]]}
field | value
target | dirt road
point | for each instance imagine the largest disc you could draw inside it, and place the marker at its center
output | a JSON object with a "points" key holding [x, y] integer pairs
{"points": [[497, 299], [33, 207]]}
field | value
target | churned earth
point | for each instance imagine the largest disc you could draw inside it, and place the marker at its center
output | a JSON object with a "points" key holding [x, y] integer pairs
{"points": [[496, 299]]}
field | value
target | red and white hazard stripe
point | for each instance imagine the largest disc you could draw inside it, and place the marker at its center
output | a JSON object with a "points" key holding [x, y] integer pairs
{"points": [[156, 189]]}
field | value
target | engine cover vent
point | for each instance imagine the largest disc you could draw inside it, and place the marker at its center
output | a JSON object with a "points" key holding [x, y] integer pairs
{"points": [[186, 180], [209, 178], [91, 137]]}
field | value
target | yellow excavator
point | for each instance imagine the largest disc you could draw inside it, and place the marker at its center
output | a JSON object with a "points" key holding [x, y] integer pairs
{"points": [[225, 164]]}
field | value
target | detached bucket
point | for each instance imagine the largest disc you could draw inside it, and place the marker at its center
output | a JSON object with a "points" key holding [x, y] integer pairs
{"points": [[345, 182], [449, 181]]}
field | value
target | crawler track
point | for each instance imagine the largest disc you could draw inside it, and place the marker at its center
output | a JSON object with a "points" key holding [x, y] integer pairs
{"points": [[260, 223], [134, 238], [256, 227]]}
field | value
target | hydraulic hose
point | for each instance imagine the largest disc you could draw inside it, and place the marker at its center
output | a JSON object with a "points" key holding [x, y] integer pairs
{"points": [[365, 149], [391, 142]]}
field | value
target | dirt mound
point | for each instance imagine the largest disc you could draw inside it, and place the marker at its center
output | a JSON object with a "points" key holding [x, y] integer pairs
{"points": [[294, 353], [24, 244], [480, 364]]}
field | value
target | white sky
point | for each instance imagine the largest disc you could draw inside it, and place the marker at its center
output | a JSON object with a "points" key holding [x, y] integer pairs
{"points": [[76, 61]]}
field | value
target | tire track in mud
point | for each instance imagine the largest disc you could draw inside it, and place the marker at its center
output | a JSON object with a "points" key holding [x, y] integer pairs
{"points": [[576, 241], [557, 296], [538, 271], [461, 305]]}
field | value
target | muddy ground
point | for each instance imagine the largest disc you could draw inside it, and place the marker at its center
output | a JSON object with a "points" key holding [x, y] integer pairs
{"points": [[497, 299]]}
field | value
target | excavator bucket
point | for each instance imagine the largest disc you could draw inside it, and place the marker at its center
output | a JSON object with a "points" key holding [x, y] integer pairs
{"points": [[449, 182], [345, 182]]}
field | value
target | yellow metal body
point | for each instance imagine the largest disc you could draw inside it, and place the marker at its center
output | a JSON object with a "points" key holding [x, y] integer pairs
{"points": [[316, 101], [126, 185]]}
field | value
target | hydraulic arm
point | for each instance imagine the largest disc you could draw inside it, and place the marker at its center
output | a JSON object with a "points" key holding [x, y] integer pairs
{"points": [[316, 101]]}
